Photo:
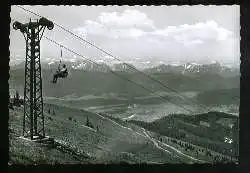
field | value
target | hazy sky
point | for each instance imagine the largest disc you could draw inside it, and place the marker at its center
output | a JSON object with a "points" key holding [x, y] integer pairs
{"points": [[139, 33]]}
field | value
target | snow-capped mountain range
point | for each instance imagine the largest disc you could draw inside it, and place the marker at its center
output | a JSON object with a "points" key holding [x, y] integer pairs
{"points": [[147, 66]]}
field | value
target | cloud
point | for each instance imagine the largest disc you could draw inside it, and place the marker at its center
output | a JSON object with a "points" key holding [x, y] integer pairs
{"points": [[133, 24], [129, 24], [129, 18], [133, 34], [195, 34]]}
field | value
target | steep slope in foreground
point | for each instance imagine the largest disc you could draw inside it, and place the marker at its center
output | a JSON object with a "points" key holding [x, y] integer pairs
{"points": [[107, 142], [23, 151]]}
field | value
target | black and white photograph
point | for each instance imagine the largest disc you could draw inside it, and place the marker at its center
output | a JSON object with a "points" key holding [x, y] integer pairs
{"points": [[124, 84]]}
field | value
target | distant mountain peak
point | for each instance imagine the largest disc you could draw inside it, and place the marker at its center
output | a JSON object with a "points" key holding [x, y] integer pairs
{"points": [[106, 63]]}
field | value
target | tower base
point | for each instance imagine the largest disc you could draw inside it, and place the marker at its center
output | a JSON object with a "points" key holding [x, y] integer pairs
{"points": [[36, 139]]}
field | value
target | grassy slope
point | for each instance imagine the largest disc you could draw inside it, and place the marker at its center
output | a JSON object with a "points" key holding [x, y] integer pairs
{"points": [[120, 139], [111, 143], [25, 152]]}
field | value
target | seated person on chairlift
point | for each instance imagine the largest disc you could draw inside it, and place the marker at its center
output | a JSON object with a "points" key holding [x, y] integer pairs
{"points": [[63, 72]]}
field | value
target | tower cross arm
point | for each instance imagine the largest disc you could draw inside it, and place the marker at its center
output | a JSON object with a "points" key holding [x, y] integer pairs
{"points": [[19, 26], [42, 22], [45, 22]]}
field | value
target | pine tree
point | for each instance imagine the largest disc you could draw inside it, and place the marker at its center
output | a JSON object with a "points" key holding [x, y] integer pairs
{"points": [[16, 99], [17, 95], [87, 122]]}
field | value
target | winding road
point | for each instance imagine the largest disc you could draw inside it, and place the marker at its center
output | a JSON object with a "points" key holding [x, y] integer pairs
{"points": [[156, 142]]}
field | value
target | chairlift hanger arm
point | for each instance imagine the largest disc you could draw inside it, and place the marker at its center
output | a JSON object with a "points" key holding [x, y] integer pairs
{"points": [[61, 50]]}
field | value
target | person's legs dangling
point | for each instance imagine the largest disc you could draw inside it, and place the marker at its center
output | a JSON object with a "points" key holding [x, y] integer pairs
{"points": [[55, 78]]}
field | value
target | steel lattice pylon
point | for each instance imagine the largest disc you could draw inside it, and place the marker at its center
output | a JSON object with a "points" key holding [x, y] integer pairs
{"points": [[33, 119]]}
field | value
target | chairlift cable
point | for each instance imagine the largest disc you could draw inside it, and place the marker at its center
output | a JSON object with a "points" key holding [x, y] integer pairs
{"points": [[162, 97], [78, 54], [92, 44], [109, 54]]}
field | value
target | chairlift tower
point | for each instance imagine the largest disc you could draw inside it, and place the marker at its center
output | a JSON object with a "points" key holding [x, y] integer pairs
{"points": [[33, 119]]}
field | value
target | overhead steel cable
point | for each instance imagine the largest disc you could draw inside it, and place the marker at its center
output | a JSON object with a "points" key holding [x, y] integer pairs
{"points": [[109, 54], [89, 60]]}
